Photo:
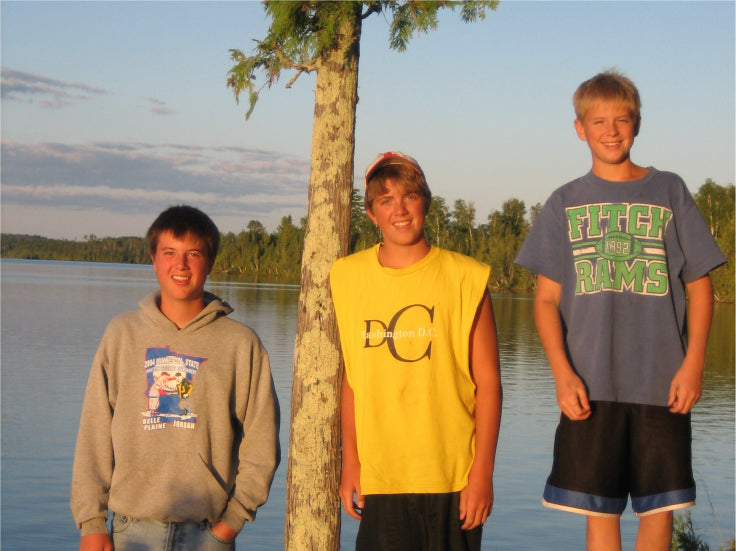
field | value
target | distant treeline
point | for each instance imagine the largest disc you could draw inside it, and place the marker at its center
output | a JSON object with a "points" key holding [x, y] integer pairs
{"points": [[121, 250], [255, 254]]}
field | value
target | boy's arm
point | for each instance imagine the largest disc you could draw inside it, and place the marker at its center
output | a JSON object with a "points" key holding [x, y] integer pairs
{"points": [[93, 456], [571, 394], [349, 491], [476, 499], [260, 452], [687, 384]]}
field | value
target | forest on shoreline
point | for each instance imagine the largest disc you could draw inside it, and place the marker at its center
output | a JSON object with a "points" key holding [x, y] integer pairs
{"points": [[257, 255]]}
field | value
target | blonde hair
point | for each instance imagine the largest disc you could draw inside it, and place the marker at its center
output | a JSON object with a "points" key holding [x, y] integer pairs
{"points": [[608, 85]]}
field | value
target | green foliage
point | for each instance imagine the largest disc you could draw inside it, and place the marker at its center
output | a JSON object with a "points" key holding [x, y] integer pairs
{"points": [[462, 228], [302, 32], [504, 236], [299, 34], [421, 17], [437, 223], [685, 537], [363, 232], [255, 254], [121, 250], [716, 204]]}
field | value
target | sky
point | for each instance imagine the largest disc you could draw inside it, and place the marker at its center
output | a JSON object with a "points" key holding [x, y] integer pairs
{"points": [[112, 111]]}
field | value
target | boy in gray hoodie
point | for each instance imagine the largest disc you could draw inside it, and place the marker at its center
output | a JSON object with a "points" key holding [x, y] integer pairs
{"points": [[179, 428]]}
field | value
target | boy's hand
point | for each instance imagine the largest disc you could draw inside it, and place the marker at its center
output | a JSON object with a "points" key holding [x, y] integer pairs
{"points": [[95, 542], [476, 500], [686, 387], [223, 531], [350, 488], [572, 397]]}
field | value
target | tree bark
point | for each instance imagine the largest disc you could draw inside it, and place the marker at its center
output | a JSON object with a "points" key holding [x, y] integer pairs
{"points": [[312, 506]]}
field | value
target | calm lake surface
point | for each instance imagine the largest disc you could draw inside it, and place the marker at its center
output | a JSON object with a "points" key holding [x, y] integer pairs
{"points": [[54, 313]]}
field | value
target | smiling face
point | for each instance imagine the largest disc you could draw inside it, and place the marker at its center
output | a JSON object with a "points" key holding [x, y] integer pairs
{"points": [[399, 214], [609, 128], [181, 266]]}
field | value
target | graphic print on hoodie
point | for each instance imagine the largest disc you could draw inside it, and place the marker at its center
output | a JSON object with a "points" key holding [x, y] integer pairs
{"points": [[169, 377]]}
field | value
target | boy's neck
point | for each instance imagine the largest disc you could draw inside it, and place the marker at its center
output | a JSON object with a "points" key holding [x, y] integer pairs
{"points": [[402, 256], [181, 312], [625, 171]]}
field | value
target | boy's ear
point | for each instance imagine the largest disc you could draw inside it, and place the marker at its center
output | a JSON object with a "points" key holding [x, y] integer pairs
{"points": [[637, 126], [370, 214], [580, 129]]}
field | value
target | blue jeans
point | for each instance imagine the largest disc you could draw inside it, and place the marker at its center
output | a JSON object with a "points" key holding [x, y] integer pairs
{"points": [[129, 534]]}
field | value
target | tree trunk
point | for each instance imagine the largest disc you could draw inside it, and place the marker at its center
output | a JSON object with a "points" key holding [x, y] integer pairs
{"points": [[312, 503]]}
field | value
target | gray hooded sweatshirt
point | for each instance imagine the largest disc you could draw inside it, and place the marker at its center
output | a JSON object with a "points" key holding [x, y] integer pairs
{"points": [[177, 424]]}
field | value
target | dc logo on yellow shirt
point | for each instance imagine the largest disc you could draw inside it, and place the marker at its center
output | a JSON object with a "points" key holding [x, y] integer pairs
{"points": [[408, 334]]}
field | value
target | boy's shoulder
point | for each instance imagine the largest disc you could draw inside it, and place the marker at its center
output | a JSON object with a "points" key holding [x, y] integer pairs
{"points": [[590, 186], [235, 326], [358, 258], [579, 185], [147, 310], [456, 259], [123, 319], [456, 256], [368, 256], [148, 313], [148, 321], [217, 314]]}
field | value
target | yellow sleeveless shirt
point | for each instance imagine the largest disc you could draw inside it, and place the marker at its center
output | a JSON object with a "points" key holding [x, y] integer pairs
{"points": [[405, 341]]}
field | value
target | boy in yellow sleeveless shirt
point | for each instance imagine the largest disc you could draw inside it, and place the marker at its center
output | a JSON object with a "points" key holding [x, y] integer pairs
{"points": [[421, 399]]}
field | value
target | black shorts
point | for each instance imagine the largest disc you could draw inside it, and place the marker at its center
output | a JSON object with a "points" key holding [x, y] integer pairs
{"points": [[415, 522], [621, 450]]}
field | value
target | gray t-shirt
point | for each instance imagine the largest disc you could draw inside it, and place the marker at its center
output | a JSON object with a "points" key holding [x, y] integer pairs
{"points": [[623, 252]]}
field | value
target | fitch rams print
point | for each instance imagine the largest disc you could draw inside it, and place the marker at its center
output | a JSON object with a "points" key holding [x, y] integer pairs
{"points": [[170, 384], [619, 247]]}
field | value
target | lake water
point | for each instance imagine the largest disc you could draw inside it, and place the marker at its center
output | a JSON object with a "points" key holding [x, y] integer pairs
{"points": [[54, 313]]}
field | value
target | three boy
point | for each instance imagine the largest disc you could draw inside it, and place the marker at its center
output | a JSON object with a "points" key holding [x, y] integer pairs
{"points": [[179, 427], [623, 309]]}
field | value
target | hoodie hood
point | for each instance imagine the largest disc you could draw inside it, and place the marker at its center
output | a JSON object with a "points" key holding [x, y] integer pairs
{"points": [[214, 308]]}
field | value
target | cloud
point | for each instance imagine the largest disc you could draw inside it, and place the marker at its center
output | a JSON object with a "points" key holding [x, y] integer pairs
{"points": [[132, 178], [27, 87], [160, 107]]}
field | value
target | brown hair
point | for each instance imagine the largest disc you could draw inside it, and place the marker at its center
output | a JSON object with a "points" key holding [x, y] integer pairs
{"points": [[182, 220], [403, 174]]}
